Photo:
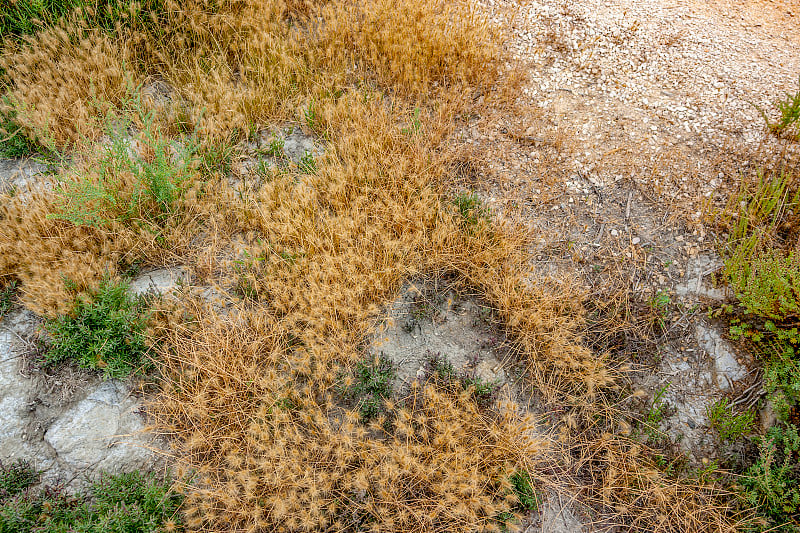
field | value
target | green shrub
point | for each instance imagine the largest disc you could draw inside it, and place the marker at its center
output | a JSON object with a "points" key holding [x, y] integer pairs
{"points": [[655, 415], [104, 332], [308, 164], [659, 306], [772, 483], [764, 272], [782, 376], [528, 499], [126, 503]]}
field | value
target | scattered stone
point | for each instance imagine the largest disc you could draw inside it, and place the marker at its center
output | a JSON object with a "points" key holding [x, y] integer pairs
{"points": [[20, 174], [159, 281], [727, 368]]}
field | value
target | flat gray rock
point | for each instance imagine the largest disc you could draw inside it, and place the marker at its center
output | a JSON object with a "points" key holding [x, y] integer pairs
{"points": [[103, 431], [159, 281], [727, 368]]}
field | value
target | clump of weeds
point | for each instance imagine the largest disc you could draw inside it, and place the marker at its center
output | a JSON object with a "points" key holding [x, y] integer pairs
{"points": [[369, 386], [104, 331]]}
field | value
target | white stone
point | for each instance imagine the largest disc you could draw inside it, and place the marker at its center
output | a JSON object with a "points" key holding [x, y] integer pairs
{"points": [[102, 432]]}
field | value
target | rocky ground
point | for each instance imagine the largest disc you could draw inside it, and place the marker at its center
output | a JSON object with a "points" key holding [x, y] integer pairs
{"points": [[640, 120]]}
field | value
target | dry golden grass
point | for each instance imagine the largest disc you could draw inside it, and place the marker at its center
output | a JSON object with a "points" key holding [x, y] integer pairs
{"points": [[64, 83], [289, 459], [249, 397]]}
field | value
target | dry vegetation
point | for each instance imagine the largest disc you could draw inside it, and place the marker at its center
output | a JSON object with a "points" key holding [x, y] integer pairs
{"points": [[249, 396]]}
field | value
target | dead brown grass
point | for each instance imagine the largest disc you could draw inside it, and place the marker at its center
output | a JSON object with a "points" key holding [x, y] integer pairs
{"points": [[250, 397], [289, 459]]}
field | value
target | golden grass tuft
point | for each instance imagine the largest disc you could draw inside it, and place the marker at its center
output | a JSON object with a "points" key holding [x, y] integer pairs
{"points": [[637, 495], [64, 83], [287, 459]]}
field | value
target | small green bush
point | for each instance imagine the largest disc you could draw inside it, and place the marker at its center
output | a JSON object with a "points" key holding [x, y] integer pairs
{"points": [[158, 183], [766, 280], [528, 499], [655, 415], [659, 306], [782, 376], [104, 332], [772, 483], [764, 273], [126, 503]]}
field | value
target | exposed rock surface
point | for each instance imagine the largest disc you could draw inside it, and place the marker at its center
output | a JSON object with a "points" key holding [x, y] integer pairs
{"points": [[159, 281], [16, 174], [70, 431]]}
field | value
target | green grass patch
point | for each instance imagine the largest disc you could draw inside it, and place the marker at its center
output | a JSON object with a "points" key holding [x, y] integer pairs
{"points": [[788, 123], [471, 209], [125, 503], [19, 18], [103, 332], [16, 478]]}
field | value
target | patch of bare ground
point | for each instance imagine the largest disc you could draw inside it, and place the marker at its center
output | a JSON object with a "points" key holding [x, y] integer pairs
{"points": [[638, 122]]}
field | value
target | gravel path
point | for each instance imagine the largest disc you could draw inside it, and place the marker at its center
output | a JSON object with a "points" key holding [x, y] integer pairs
{"points": [[659, 92]]}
